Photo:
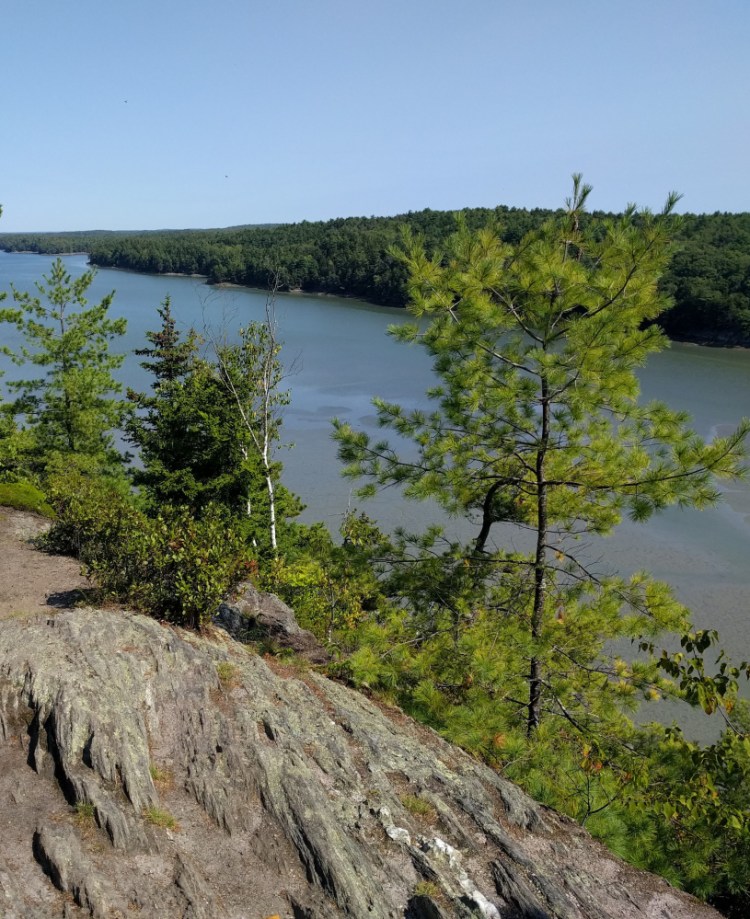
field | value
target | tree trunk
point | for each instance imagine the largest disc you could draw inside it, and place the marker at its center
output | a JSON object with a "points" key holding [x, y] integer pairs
{"points": [[540, 568]]}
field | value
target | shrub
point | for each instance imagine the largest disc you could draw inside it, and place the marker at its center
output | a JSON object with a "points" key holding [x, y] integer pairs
{"points": [[331, 588], [92, 515], [192, 564], [176, 566]]}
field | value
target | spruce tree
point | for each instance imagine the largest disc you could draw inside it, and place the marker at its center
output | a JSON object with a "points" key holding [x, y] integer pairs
{"points": [[206, 431], [181, 427], [71, 407]]}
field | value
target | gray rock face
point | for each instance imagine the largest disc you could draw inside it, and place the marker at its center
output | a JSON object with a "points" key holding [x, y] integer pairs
{"points": [[145, 771], [259, 615]]}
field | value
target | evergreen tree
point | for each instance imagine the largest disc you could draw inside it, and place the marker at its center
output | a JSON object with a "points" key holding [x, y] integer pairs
{"points": [[537, 424], [206, 431], [71, 407], [7, 425], [181, 427]]}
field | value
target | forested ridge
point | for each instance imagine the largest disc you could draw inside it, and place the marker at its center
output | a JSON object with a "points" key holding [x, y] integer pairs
{"points": [[708, 276]]}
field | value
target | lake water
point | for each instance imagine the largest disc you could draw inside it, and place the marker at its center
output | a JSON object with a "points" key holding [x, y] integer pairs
{"points": [[339, 356]]}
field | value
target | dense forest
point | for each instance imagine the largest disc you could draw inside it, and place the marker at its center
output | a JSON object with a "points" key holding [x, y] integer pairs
{"points": [[708, 277]]}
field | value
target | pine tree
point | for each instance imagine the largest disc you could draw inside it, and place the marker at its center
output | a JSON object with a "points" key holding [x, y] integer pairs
{"points": [[536, 423], [71, 408]]}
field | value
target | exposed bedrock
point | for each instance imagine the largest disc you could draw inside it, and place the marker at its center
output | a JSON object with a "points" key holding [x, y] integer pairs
{"points": [[146, 771]]}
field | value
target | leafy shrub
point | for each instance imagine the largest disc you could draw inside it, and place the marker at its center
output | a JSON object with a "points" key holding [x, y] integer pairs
{"points": [[191, 563], [176, 566], [81, 501], [331, 588]]}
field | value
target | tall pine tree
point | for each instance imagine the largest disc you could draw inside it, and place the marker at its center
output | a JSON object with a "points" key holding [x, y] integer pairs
{"points": [[537, 424]]}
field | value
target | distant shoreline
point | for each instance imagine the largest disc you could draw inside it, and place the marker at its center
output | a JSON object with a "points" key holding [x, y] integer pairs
{"points": [[43, 254], [695, 338]]}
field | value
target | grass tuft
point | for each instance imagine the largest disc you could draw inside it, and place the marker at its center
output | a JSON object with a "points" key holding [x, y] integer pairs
{"points": [[161, 777], [417, 806], [228, 674], [426, 889], [161, 818], [84, 814]]}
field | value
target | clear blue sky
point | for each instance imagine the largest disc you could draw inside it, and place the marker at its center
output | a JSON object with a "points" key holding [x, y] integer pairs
{"points": [[140, 114]]}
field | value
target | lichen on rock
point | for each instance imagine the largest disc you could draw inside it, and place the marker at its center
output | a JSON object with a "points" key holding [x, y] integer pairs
{"points": [[284, 793]]}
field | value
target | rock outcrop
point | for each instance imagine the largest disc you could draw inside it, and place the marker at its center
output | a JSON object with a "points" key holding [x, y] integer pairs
{"points": [[255, 615], [150, 772]]}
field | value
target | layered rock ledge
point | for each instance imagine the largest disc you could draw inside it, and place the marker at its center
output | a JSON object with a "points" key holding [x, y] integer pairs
{"points": [[147, 771]]}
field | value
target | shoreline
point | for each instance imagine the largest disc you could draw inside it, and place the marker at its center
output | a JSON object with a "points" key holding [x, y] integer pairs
{"points": [[696, 340], [233, 285]]}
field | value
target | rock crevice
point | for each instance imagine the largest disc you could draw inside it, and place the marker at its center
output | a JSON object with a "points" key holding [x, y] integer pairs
{"points": [[152, 783]]}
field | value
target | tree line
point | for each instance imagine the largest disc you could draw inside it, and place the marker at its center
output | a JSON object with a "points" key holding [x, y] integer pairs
{"points": [[531, 658], [708, 276]]}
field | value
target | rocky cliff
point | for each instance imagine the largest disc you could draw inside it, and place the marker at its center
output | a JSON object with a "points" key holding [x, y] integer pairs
{"points": [[150, 772]]}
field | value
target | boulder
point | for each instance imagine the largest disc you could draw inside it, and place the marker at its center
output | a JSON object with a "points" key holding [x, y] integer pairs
{"points": [[255, 615]]}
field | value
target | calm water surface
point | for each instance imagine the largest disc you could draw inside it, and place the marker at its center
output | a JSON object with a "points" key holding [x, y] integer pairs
{"points": [[339, 356]]}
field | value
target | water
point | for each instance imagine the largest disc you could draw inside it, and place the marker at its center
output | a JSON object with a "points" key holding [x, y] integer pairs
{"points": [[338, 356]]}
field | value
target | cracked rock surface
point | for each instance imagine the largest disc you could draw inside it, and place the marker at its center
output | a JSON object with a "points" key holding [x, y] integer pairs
{"points": [[147, 771]]}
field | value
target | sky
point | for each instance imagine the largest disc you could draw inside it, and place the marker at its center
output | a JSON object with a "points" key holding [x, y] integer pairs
{"points": [[147, 114]]}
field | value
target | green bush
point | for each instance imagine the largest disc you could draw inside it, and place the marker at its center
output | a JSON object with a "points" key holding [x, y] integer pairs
{"points": [[190, 564], [24, 497], [176, 566], [331, 588]]}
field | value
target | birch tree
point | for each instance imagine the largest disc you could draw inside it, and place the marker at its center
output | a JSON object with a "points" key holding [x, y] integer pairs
{"points": [[252, 373]]}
